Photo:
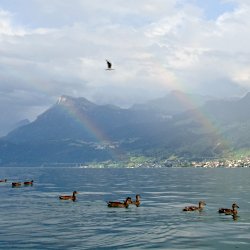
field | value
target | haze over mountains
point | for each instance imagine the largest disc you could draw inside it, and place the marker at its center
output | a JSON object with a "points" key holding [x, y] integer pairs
{"points": [[76, 130]]}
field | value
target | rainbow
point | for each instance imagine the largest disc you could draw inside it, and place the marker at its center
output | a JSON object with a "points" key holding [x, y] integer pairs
{"points": [[116, 153], [203, 118], [171, 82], [98, 135]]}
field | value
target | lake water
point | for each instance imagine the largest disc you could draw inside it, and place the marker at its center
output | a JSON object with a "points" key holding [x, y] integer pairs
{"points": [[34, 217]]}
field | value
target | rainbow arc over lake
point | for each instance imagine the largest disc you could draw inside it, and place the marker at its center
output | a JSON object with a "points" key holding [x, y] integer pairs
{"points": [[88, 125], [99, 135], [203, 118]]}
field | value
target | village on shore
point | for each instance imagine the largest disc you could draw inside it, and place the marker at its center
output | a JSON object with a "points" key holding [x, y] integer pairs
{"points": [[143, 162], [227, 163]]}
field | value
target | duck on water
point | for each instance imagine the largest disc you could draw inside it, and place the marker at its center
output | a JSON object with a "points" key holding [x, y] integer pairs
{"points": [[229, 211], [137, 201], [16, 184], [28, 183], [200, 207], [120, 204], [69, 197]]}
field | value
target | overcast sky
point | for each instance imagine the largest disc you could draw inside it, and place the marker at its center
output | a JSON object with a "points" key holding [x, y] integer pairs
{"points": [[50, 48]]}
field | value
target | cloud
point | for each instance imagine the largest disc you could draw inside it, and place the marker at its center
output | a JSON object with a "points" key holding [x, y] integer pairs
{"points": [[51, 48], [219, 49]]}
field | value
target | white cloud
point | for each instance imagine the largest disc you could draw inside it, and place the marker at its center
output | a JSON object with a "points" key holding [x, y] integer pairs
{"points": [[6, 26]]}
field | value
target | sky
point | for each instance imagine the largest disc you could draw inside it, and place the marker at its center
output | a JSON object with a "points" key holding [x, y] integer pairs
{"points": [[50, 48]]}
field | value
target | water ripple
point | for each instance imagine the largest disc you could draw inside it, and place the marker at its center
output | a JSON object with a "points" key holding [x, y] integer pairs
{"points": [[34, 217]]}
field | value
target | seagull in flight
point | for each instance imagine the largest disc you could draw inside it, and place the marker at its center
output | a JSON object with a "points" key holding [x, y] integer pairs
{"points": [[109, 65]]}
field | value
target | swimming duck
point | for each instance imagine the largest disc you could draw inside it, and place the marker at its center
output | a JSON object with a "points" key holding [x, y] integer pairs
{"points": [[27, 183], [16, 184], [69, 197], [4, 180], [120, 204], [137, 202], [229, 211], [195, 208]]}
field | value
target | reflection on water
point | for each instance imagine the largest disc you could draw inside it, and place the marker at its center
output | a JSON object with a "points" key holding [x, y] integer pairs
{"points": [[33, 217]]}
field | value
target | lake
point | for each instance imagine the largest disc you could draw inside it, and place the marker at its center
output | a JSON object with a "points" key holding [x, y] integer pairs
{"points": [[34, 218]]}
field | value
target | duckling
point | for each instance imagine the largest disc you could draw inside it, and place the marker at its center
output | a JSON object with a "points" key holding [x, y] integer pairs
{"points": [[4, 180], [16, 184], [228, 211], [69, 197], [137, 202], [28, 183], [120, 204], [195, 208]]}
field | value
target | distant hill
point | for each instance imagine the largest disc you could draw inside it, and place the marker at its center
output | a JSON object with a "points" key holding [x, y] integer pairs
{"points": [[77, 130], [173, 103]]}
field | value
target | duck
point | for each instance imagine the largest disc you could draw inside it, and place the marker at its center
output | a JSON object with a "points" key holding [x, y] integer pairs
{"points": [[69, 197], [228, 211], [27, 183], [16, 184], [195, 208], [120, 204], [137, 202], [4, 180]]}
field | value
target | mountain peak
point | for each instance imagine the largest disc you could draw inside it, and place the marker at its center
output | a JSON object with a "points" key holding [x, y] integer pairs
{"points": [[62, 99], [65, 100]]}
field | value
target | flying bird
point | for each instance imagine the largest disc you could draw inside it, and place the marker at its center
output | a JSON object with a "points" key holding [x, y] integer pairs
{"points": [[109, 65]]}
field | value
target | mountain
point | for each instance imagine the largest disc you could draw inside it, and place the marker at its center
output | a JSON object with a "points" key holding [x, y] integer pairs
{"points": [[173, 103], [226, 120], [18, 125], [77, 130]]}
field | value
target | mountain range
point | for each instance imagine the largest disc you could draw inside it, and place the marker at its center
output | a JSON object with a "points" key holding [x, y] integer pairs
{"points": [[75, 130]]}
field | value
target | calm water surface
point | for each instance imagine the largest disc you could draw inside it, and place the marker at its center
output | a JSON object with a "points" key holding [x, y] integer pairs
{"points": [[34, 217]]}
